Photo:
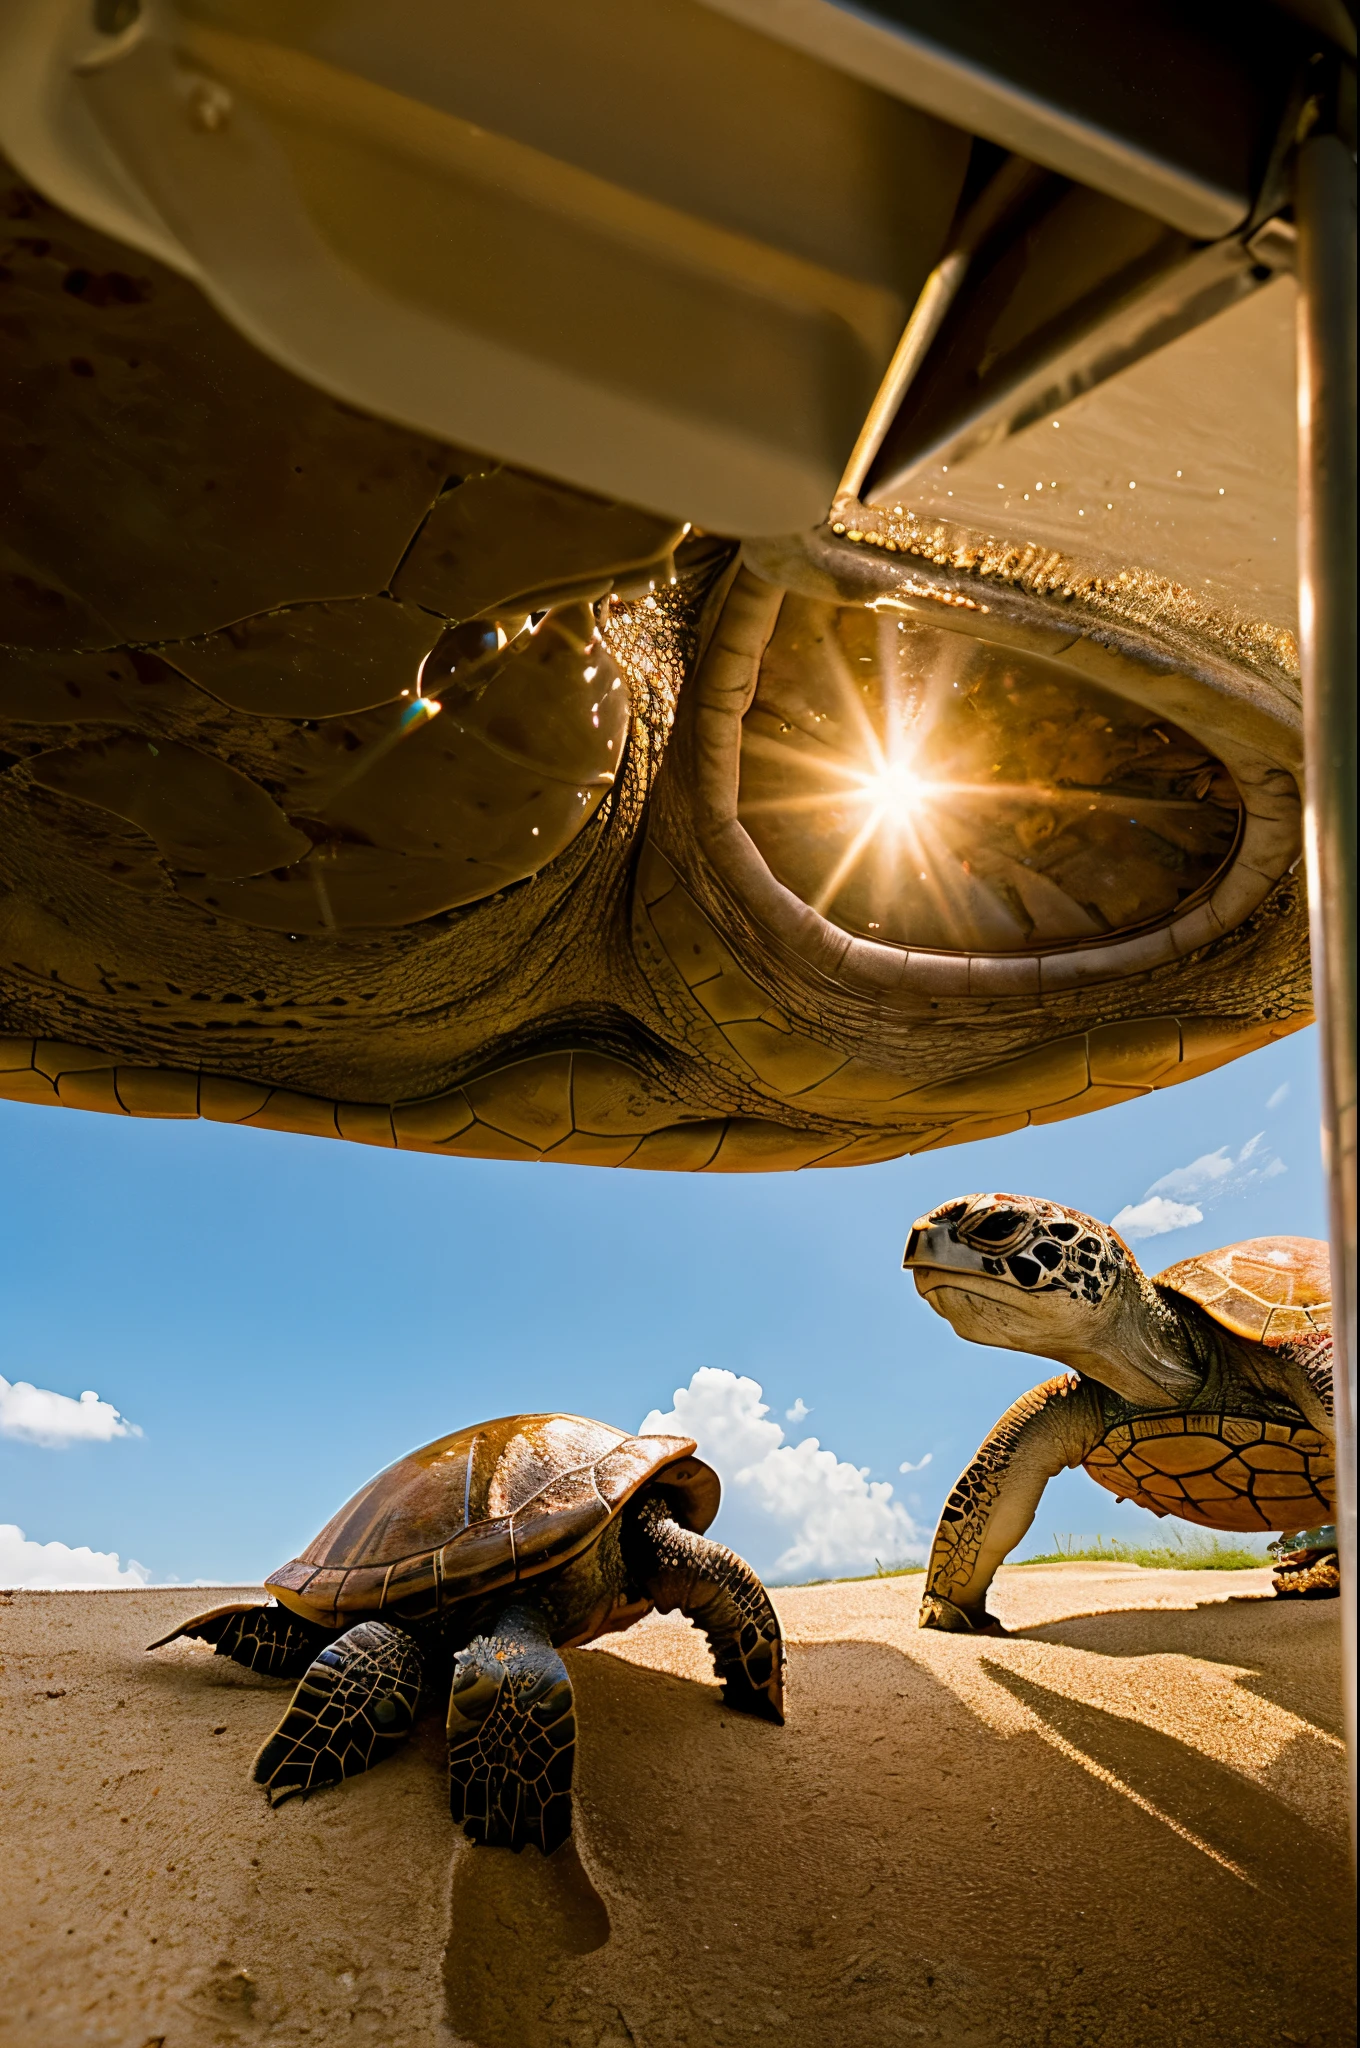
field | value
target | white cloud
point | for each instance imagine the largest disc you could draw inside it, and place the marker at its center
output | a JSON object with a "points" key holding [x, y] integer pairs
{"points": [[1155, 1217], [1201, 1173], [1180, 1197], [1281, 1095], [33, 1415], [919, 1466], [43, 1566], [829, 1515], [799, 1411]]}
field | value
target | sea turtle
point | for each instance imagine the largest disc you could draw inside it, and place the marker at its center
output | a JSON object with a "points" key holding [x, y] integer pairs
{"points": [[469, 1564], [1205, 1392], [364, 785]]}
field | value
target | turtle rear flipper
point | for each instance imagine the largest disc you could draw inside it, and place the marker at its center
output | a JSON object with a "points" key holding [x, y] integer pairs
{"points": [[512, 1736], [355, 1705], [269, 1639], [1312, 1572]]}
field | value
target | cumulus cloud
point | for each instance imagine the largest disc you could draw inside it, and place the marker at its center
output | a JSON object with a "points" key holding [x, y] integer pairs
{"points": [[34, 1415], [1155, 1217], [828, 1515], [1180, 1197], [920, 1465], [799, 1411], [44, 1567]]}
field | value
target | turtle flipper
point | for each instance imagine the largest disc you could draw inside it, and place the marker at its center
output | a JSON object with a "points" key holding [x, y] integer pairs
{"points": [[995, 1499], [268, 1639], [355, 1705], [1306, 1566], [512, 1736], [722, 1595]]}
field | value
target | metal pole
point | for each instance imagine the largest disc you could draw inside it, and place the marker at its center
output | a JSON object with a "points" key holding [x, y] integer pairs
{"points": [[1324, 208]]}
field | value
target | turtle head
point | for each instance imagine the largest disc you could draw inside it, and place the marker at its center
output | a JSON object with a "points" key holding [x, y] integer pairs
{"points": [[1015, 1270], [1025, 1274]]}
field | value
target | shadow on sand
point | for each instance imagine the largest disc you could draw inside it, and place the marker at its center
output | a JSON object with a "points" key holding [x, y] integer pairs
{"points": [[889, 1868], [1258, 1634]]}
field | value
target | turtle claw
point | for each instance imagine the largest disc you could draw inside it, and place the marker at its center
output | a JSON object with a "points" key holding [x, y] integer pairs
{"points": [[355, 1705], [512, 1738], [937, 1612]]}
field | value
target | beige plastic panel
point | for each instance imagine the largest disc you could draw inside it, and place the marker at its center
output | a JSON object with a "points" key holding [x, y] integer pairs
{"points": [[646, 250], [1204, 430]]}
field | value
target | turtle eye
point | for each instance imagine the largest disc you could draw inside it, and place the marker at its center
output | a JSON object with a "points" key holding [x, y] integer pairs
{"points": [[999, 1229]]}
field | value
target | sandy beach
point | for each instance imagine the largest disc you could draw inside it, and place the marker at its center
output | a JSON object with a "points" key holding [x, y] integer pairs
{"points": [[1123, 1823]]}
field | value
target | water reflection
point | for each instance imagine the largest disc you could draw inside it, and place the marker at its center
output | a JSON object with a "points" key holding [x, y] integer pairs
{"points": [[936, 790]]}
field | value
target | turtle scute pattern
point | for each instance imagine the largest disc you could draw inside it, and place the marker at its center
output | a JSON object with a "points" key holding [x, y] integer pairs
{"points": [[479, 1509], [1271, 1290], [356, 1703], [1222, 1471], [269, 1640], [974, 1495], [512, 1734]]}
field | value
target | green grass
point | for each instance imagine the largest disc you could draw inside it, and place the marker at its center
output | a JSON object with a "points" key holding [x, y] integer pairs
{"points": [[885, 1571], [1199, 1554]]}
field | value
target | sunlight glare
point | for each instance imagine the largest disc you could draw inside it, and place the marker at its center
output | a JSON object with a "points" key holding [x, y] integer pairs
{"points": [[895, 792]]}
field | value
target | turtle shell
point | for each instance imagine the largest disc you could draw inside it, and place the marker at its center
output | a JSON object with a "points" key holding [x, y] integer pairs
{"points": [[1221, 1471], [484, 1508], [1271, 1290]]}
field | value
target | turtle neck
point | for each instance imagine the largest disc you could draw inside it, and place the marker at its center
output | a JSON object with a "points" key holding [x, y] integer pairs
{"points": [[1143, 1351]]}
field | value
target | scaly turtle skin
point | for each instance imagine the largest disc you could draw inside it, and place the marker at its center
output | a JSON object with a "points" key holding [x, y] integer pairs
{"points": [[1205, 1392], [469, 1564]]}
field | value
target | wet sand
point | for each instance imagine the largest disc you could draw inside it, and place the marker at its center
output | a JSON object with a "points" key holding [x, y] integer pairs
{"points": [[1122, 1824]]}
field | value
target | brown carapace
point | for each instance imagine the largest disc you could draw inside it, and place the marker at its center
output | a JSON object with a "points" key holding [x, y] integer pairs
{"points": [[1245, 1472], [462, 1571], [1204, 1393]]}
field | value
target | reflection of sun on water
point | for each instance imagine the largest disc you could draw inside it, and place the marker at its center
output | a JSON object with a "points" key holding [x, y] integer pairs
{"points": [[941, 791]]}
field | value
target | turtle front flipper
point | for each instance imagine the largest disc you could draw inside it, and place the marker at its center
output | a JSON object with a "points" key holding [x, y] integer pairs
{"points": [[512, 1736], [720, 1593], [994, 1501], [355, 1705], [269, 1638]]}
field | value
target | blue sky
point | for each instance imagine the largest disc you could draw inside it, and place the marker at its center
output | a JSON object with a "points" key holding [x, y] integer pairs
{"points": [[281, 1316]]}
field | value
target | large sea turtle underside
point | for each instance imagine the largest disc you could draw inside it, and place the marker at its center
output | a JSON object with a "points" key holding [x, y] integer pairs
{"points": [[357, 784]]}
